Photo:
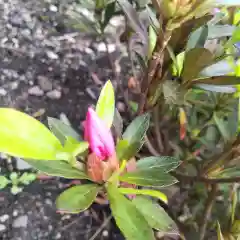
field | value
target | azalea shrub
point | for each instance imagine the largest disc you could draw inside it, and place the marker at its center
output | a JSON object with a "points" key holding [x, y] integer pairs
{"points": [[105, 162]]}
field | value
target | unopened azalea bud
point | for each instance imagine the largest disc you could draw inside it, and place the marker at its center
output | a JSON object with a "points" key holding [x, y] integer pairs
{"points": [[98, 136]]}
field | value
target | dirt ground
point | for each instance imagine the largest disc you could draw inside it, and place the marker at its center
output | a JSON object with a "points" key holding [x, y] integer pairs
{"points": [[48, 69]]}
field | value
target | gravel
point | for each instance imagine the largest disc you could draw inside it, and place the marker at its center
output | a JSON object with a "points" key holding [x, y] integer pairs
{"points": [[20, 221], [35, 91], [54, 94]]}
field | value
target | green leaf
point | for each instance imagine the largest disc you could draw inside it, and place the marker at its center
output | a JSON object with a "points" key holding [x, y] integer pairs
{"points": [[62, 130], [136, 131], [25, 137], [216, 88], [195, 60], [106, 104], [220, 31], [3, 182], [218, 69], [15, 189], [198, 38], [148, 178], [77, 199], [109, 13], [125, 150], [74, 148], [128, 218], [58, 168], [26, 178], [155, 215], [162, 163]]}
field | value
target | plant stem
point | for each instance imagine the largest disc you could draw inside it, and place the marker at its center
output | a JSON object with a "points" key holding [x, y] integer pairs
{"points": [[207, 212], [193, 179], [157, 129], [150, 147]]}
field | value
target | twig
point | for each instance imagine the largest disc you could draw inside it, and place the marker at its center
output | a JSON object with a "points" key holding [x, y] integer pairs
{"points": [[207, 212], [192, 179], [150, 147], [157, 129], [105, 223]]}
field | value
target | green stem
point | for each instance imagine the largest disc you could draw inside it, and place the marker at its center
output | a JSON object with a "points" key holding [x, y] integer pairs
{"points": [[149, 192]]}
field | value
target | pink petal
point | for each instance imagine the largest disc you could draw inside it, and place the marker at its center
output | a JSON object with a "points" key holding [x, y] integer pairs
{"points": [[98, 135]]}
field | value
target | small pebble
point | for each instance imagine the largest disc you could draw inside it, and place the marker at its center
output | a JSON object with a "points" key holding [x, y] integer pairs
{"points": [[20, 221], [2, 228], [52, 55], [121, 107], [44, 83], [15, 213], [53, 8], [35, 91], [105, 233], [3, 92], [4, 218], [54, 94]]}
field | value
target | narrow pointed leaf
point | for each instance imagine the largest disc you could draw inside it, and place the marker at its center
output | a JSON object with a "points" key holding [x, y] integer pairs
{"points": [[128, 218], [25, 137], [219, 80], [106, 104], [77, 199]]}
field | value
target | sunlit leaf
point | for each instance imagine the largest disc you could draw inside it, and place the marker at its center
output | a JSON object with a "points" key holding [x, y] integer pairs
{"points": [[106, 104], [77, 199], [25, 137], [3, 182]]}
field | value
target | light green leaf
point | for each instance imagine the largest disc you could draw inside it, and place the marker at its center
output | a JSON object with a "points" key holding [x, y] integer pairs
{"points": [[128, 218], [106, 104], [25, 137], [62, 130], [195, 60], [3, 182], [58, 168], [219, 232], [26, 178], [148, 178], [77, 199], [220, 31], [227, 3], [162, 163], [155, 215]]}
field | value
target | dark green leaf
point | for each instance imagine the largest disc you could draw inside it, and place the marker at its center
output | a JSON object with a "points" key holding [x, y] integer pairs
{"points": [[155, 215], [25, 137], [109, 12], [58, 168], [148, 178], [128, 218], [62, 130], [195, 60], [136, 131], [106, 104], [77, 199], [3, 182], [198, 38], [162, 163]]}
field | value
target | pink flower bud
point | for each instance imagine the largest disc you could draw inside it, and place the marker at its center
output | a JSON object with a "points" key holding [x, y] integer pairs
{"points": [[98, 136]]}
